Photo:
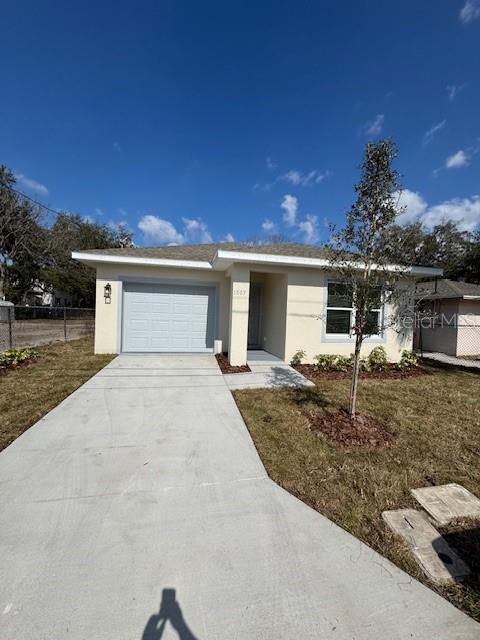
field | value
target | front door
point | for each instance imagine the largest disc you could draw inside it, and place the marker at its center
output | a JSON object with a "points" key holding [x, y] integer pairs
{"points": [[254, 316]]}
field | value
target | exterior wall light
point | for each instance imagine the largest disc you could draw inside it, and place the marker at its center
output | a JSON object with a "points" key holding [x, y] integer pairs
{"points": [[107, 293]]}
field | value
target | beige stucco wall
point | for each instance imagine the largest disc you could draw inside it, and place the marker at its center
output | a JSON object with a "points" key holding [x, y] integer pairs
{"points": [[468, 333], [108, 316], [293, 309], [306, 317]]}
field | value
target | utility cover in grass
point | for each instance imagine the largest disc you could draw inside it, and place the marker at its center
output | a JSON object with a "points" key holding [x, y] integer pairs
{"points": [[448, 502], [439, 561]]}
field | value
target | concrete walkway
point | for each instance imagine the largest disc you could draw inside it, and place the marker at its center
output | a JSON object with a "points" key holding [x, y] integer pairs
{"points": [[451, 360], [144, 486]]}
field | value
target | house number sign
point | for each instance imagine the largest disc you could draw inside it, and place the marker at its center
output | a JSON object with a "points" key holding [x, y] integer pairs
{"points": [[240, 292]]}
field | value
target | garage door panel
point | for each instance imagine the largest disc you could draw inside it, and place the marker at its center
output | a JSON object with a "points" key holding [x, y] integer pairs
{"points": [[167, 317]]}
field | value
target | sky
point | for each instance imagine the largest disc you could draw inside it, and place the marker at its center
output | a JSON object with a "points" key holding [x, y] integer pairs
{"points": [[217, 121]]}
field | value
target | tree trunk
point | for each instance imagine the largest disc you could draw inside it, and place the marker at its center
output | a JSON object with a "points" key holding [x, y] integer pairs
{"points": [[356, 371]]}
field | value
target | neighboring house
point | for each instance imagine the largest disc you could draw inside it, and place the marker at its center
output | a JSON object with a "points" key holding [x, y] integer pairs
{"points": [[231, 297], [451, 317], [39, 296]]}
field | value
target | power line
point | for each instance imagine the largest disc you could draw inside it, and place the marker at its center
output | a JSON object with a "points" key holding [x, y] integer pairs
{"points": [[24, 195]]}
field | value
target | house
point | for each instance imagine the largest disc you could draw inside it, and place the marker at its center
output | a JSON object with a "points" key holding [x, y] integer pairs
{"points": [[230, 297], [451, 317]]}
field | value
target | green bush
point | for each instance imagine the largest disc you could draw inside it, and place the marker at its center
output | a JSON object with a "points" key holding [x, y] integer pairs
{"points": [[377, 359], [12, 357], [297, 357], [408, 359], [325, 361]]}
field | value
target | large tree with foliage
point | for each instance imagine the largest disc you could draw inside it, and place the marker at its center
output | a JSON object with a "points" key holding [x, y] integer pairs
{"points": [[23, 241], [445, 245], [70, 232], [359, 252]]}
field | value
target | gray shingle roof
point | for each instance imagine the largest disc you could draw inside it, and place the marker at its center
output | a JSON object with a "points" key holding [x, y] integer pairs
{"points": [[207, 252], [447, 289]]}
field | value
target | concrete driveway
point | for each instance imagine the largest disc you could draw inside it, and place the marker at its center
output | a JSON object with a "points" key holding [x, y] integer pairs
{"points": [[144, 487]]}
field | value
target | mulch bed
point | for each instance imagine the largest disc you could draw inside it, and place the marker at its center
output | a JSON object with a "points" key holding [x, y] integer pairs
{"points": [[226, 367], [392, 372], [340, 428]]}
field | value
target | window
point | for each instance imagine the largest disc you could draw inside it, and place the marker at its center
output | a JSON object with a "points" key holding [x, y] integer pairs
{"points": [[341, 313], [339, 308]]}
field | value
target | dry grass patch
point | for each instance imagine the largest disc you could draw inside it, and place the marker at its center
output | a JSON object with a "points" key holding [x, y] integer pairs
{"points": [[436, 422], [28, 393]]}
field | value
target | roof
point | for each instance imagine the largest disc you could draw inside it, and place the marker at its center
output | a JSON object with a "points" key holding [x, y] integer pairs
{"points": [[447, 289], [207, 252], [222, 255]]}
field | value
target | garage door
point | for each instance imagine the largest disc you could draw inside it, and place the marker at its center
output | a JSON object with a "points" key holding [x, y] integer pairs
{"points": [[168, 317]]}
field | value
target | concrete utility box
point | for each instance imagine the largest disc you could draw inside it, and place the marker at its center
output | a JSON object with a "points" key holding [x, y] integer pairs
{"points": [[5, 309]]}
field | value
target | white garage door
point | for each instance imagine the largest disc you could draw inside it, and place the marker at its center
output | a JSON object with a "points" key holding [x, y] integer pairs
{"points": [[159, 317]]}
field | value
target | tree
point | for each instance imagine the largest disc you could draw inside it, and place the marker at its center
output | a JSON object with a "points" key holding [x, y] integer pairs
{"points": [[22, 240], [471, 260], [359, 251], [70, 232], [444, 246]]}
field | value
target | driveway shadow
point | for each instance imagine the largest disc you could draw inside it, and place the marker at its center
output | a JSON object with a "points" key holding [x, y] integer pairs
{"points": [[171, 612]]}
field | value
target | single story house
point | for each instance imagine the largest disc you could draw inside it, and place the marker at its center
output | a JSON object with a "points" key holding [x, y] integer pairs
{"points": [[231, 297], [449, 317]]}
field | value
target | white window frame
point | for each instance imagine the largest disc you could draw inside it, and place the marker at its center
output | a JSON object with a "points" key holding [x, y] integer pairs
{"points": [[350, 336]]}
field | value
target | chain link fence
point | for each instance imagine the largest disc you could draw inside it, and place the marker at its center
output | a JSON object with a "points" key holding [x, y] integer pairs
{"points": [[33, 326]]}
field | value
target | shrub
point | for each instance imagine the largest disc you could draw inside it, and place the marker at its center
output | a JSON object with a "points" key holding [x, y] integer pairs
{"points": [[325, 361], [12, 357], [297, 357], [408, 359], [377, 358]]}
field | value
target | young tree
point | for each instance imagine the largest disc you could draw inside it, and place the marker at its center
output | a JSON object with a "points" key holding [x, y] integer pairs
{"points": [[358, 251]]}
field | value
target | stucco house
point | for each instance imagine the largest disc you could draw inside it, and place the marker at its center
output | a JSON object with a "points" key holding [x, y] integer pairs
{"points": [[230, 297], [450, 317]]}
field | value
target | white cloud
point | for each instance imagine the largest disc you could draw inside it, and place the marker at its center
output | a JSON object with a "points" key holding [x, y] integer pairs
{"points": [[268, 226], [228, 238], [309, 228], [453, 90], [156, 229], [470, 11], [117, 147], [162, 231], [428, 136], [289, 206], [375, 126], [270, 163], [457, 160], [196, 230], [463, 211], [304, 179], [30, 185], [412, 204]]}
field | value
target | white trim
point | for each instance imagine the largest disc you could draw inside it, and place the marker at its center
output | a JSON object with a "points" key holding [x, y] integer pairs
{"points": [[223, 259], [266, 258], [154, 262], [471, 297]]}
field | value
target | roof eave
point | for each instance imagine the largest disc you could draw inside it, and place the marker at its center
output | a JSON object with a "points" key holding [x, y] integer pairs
{"points": [[96, 258]]}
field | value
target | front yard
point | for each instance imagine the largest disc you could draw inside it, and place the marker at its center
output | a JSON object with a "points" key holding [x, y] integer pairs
{"points": [[29, 392], [435, 421]]}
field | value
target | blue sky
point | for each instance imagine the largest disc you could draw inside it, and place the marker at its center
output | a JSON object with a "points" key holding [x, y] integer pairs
{"points": [[195, 121]]}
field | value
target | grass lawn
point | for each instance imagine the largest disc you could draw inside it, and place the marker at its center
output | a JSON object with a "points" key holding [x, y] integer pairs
{"points": [[436, 422], [28, 393]]}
